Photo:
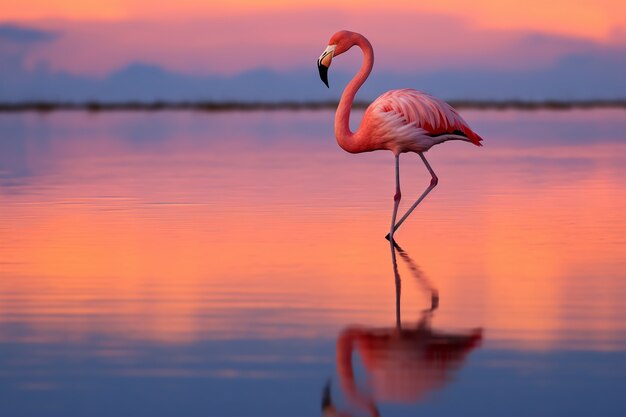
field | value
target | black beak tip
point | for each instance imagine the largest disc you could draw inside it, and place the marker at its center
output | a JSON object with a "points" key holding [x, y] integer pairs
{"points": [[323, 73]]}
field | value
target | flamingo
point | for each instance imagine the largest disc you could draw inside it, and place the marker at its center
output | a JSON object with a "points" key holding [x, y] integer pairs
{"points": [[399, 120]]}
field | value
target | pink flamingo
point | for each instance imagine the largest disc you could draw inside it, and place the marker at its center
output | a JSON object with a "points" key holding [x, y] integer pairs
{"points": [[399, 120]]}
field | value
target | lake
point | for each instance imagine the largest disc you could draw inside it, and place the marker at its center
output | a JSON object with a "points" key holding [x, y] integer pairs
{"points": [[234, 264]]}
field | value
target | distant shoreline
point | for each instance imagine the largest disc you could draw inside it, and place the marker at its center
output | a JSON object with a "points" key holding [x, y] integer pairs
{"points": [[210, 106]]}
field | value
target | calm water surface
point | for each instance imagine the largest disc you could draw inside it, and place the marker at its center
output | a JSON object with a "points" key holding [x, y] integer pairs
{"points": [[233, 264]]}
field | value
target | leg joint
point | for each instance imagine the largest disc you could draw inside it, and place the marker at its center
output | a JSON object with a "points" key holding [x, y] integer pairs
{"points": [[434, 181]]}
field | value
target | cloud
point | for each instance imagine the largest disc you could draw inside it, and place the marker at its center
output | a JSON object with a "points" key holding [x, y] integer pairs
{"points": [[272, 58], [233, 43], [16, 42], [24, 35]]}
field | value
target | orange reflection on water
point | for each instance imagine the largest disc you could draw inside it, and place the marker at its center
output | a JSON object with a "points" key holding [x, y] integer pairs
{"points": [[183, 239]]}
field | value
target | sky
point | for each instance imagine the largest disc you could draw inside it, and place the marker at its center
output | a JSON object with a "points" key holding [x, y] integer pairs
{"points": [[247, 50]]}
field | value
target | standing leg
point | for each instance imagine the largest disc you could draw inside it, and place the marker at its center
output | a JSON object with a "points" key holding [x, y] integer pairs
{"points": [[396, 200], [433, 182]]}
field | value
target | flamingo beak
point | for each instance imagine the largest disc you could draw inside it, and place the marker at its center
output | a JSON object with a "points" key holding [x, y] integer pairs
{"points": [[323, 63]]}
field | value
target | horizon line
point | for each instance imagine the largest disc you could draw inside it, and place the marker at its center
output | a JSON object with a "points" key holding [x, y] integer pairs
{"points": [[221, 106]]}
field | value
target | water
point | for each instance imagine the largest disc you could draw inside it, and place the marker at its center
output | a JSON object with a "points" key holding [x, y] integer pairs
{"points": [[233, 264]]}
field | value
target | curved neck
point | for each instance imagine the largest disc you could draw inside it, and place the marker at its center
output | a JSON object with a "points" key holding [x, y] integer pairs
{"points": [[345, 137]]}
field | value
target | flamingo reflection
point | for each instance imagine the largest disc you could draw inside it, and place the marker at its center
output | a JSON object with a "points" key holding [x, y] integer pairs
{"points": [[403, 364]]}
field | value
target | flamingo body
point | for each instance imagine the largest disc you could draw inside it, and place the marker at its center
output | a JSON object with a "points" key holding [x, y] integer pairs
{"points": [[412, 121]]}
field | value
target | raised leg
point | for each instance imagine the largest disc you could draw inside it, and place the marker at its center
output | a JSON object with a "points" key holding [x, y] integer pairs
{"points": [[396, 199], [433, 183]]}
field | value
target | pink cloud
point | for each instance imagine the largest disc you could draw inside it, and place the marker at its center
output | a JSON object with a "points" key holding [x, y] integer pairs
{"points": [[227, 44]]}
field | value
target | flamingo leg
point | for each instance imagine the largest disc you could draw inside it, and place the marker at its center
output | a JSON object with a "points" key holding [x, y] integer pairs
{"points": [[433, 183], [396, 200]]}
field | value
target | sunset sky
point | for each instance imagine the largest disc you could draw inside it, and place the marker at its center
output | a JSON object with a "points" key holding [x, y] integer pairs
{"points": [[487, 40]]}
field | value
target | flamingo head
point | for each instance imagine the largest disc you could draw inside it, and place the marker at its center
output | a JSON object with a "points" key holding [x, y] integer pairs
{"points": [[339, 43]]}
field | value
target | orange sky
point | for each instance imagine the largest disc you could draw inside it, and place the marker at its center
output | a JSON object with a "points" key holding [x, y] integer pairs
{"points": [[199, 37], [598, 19]]}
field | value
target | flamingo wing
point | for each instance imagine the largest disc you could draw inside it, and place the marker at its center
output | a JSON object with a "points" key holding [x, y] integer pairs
{"points": [[418, 121]]}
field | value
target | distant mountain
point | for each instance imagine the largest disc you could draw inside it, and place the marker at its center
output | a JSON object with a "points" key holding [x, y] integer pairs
{"points": [[574, 77], [523, 66]]}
